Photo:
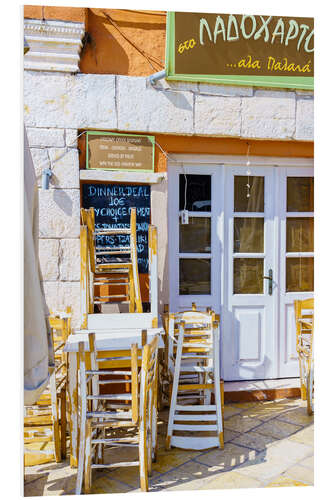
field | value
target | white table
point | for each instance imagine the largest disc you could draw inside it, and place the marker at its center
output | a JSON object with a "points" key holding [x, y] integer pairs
{"points": [[106, 340]]}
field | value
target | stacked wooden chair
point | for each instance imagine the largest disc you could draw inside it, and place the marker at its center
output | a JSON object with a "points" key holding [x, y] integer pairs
{"points": [[105, 417], [112, 266], [195, 421], [304, 316], [45, 421]]}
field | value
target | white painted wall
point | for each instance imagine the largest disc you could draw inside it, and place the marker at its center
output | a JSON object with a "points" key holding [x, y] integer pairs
{"points": [[57, 104]]}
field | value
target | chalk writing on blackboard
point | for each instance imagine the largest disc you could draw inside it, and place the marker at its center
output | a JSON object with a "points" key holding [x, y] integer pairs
{"points": [[112, 205]]}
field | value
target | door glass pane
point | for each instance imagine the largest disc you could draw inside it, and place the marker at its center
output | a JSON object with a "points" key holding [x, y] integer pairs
{"points": [[300, 194], [299, 274], [299, 234], [194, 276], [195, 236], [248, 193], [248, 275], [248, 234], [195, 193]]}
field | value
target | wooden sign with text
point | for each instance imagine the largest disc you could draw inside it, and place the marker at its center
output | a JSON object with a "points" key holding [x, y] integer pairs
{"points": [[110, 151], [251, 50]]}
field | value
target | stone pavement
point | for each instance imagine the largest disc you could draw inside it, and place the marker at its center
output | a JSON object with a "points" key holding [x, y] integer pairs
{"points": [[267, 444]]}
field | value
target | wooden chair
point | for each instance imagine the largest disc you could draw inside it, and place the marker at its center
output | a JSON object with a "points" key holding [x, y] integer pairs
{"points": [[60, 323], [45, 421], [103, 415], [194, 422], [114, 267], [304, 317]]}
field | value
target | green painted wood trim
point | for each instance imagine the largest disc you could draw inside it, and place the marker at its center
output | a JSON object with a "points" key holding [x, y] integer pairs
{"points": [[150, 137], [289, 82]]}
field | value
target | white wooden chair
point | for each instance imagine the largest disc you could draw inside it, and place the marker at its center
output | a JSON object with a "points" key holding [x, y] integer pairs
{"points": [[193, 345], [102, 415]]}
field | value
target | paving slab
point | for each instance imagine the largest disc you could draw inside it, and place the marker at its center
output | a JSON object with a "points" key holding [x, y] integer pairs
{"points": [[277, 429], [232, 456], [304, 435], [284, 481], [238, 423], [232, 479], [300, 473], [254, 440]]}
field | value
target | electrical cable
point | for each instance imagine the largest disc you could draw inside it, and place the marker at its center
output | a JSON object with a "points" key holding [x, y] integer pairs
{"points": [[148, 57]]}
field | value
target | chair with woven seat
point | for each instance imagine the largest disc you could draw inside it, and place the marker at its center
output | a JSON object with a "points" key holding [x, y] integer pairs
{"points": [[104, 416], [194, 421]]}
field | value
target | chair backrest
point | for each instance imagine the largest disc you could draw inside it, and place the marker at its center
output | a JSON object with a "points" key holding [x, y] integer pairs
{"points": [[88, 220], [109, 368], [304, 312]]}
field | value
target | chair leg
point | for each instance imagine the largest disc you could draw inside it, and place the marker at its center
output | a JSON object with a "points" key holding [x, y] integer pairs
{"points": [[143, 457], [150, 431], [143, 448], [63, 421], [154, 421], [57, 445], [87, 462]]}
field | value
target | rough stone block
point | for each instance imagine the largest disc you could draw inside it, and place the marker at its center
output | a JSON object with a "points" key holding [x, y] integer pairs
{"points": [[69, 101], [59, 295], [69, 260], [46, 137], [59, 213], [305, 120], [71, 137], [65, 168], [177, 86], [142, 107], [41, 160], [217, 115], [225, 90], [49, 259], [269, 115]]}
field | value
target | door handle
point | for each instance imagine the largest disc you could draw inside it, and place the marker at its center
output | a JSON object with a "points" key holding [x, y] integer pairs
{"points": [[270, 278]]}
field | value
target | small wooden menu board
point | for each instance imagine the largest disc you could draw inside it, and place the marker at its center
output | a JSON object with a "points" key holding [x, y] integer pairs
{"points": [[111, 151]]}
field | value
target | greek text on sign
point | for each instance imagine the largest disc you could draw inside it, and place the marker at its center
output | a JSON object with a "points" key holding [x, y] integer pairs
{"points": [[241, 49], [106, 150]]}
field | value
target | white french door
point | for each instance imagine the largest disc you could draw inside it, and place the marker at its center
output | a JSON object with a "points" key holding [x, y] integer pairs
{"points": [[249, 311], [247, 252]]}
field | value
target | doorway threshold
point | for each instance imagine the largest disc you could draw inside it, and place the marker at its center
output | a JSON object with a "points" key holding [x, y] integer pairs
{"points": [[261, 390]]}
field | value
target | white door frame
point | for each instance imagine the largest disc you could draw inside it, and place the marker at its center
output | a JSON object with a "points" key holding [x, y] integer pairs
{"points": [[218, 164]]}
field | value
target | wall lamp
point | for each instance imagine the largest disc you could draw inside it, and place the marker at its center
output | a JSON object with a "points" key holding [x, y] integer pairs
{"points": [[46, 178], [26, 46]]}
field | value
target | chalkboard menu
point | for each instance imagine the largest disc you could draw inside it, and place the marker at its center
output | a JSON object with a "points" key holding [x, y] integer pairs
{"points": [[111, 151], [112, 204], [269, 51]]}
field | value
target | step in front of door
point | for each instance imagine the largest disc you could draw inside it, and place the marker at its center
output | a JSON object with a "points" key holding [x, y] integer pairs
{"points": [[261, 390]]}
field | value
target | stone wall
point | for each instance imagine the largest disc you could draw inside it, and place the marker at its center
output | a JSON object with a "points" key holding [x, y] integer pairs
{"points": [[56, 105], [114, 102]]}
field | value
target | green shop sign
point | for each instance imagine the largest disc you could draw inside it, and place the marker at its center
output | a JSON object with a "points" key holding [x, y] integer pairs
{"points": [[264, 51]]}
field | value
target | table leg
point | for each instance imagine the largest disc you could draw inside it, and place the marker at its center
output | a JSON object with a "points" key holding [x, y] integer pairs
{"points": [[73, 407]]}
